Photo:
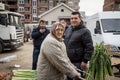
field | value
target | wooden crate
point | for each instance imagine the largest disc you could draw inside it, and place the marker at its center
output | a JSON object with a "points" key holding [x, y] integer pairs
{"points": [[111, 53], [115, 61]]}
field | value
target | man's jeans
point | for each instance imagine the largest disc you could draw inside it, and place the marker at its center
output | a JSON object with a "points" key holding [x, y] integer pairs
{"points": [[78, 66], [35, 57]]}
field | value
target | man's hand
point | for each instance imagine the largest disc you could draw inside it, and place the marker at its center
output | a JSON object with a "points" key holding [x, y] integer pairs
{"points": [[42, 30], [84, 65]]}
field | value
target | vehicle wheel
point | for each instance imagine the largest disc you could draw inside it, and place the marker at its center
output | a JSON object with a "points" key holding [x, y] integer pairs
{"points": [[1, 48]]}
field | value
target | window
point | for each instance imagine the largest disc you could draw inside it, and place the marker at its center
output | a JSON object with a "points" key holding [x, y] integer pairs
{"points": [[22, 17], [76, 3], [43, 1], [21, 1], [3, 19], [27, 1], [51, 4], [27, 16], [35, 18], [70, 4], [27, 9], [21, 9], [111, 25], [34, 11], [62, 10], [34, 3], [14, 20]]}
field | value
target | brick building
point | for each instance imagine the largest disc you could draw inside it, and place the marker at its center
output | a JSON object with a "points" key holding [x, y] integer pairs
{"points": [[32, 8], [111, 5]]}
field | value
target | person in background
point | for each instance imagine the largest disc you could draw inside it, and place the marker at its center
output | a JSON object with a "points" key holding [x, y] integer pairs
{"points": [[27, 35], [63, 21], [38, 35], [78, 42], [53, 62]]}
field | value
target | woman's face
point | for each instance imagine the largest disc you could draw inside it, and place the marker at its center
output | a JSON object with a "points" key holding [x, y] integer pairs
{"points": [[59, 31]]}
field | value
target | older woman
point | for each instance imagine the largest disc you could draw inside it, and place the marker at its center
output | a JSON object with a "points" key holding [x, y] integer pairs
{"points": [[53, 63]]}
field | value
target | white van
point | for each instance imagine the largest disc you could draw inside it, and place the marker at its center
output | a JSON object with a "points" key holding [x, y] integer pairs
{"points": [[105, 26]]}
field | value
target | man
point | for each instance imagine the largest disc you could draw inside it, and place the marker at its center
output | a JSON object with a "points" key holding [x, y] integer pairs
{"points": [[38, 35], [78, 42], [63, 21]]}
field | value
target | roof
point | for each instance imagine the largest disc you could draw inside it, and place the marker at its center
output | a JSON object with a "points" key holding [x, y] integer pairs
{"points": [[62, 4]]}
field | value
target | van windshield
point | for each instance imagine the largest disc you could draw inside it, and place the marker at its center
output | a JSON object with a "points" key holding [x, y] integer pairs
{"points": [[111, 25]]}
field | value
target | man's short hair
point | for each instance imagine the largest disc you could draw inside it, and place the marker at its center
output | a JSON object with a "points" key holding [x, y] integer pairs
{"points": [[43, 21], [78, 13], [62, 19]]}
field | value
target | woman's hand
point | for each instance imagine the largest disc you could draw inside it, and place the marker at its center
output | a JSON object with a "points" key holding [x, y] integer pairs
{"points": [[84, 65], [78, 76]]}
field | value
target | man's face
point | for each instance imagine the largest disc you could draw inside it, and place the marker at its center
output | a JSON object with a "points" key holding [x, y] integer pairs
{"points": [[63, 22], [42, 25], [75, 20]]}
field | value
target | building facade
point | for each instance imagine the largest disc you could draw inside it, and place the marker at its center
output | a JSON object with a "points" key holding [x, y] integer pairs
{"points": [[111, 5], [32, 8], [52, 15]]}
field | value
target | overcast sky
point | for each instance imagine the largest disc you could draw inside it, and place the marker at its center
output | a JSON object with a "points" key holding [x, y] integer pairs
{"points": [[91, 6]]}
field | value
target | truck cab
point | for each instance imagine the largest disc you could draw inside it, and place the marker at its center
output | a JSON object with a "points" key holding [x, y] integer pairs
{"points": [[11, 30]]}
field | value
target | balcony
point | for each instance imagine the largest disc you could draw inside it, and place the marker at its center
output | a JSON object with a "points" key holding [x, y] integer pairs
{"points": [[43, 4], [27, 12], [27, 5], [27, 21], [12, 6]]}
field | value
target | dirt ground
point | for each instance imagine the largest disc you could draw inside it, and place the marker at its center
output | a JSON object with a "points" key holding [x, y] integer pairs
{"points": [[23, 59]]}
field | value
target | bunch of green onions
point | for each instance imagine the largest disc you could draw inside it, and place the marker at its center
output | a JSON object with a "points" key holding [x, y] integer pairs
{"points": [[23, 74]]}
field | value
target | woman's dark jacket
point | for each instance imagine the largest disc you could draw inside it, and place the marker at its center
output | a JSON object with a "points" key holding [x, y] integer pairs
{"points": [[38, 37], [79, 44]]}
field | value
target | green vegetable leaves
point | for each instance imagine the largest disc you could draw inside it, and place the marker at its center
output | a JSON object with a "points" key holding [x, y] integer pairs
{"points": [[100, 64]]}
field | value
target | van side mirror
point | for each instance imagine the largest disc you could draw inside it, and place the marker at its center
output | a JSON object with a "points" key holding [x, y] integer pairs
{"points": [[97, 31]]}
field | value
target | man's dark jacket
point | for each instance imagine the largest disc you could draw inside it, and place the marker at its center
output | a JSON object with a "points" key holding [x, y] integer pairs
{"points": [[38, 37], [79, 44]]}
